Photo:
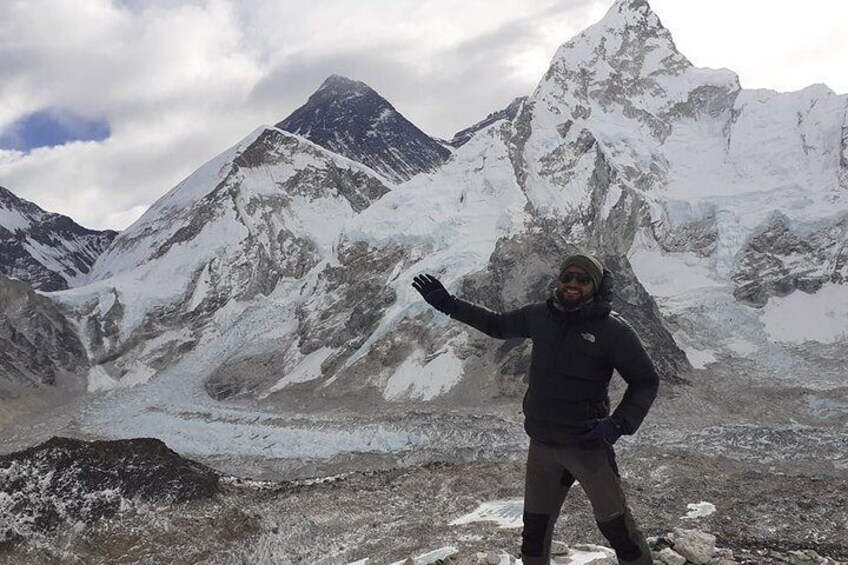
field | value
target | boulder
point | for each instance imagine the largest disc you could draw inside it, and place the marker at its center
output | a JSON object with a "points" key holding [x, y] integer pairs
{"points": [[695, 546]]}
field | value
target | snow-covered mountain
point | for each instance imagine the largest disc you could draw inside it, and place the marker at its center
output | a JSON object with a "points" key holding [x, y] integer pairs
{"points": [[260, 219], [349, 118], [48, 250], [281, 269], [461, 137], [683, 171]]}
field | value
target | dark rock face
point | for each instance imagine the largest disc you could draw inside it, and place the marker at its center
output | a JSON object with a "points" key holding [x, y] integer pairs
{"points": [[523, 269], [37, 342], [66, 481], [781, 258], [59, 242], [352, 300], [356, 298], [697, 236], [349, 118], [460, 138]]}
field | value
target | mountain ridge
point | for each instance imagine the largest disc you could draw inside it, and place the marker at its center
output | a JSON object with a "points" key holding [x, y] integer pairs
{"points": [[279, 273], [48, 250]]}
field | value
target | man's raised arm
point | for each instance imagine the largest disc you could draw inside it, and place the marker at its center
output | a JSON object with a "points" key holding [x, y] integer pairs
{"points": [[502, 326]]}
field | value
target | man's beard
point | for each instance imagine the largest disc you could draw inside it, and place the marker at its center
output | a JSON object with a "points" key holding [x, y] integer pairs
{"points": [[569, 304]]}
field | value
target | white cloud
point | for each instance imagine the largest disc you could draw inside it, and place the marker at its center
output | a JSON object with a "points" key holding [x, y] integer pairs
{"points": [[180, 81], [170, 81], [777, 44]]}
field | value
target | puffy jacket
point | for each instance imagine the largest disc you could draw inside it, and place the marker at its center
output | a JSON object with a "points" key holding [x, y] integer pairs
{"points": [[572, 362]]}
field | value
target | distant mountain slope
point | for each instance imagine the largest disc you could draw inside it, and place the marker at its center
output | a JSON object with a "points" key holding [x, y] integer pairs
{"points": [[351, 119], [38, 345], [281, 269], [48, 250], [262, 217], [509, 113]]}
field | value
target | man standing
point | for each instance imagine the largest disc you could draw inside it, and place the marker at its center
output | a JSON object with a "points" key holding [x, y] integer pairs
{"points": [[577, 342]]}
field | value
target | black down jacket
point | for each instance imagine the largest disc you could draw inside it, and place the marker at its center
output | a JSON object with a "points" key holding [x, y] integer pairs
{"points": [[572, 362]]}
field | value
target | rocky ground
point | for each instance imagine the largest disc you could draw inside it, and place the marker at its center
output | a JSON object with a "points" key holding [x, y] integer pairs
{"points": [[391, 514], [770, 460]]}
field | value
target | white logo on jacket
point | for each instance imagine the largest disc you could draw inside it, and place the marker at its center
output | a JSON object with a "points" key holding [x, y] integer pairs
{"points": [[588, 337]]}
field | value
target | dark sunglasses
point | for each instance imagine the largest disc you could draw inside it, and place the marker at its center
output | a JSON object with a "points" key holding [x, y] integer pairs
{"points": [[581, 279]]}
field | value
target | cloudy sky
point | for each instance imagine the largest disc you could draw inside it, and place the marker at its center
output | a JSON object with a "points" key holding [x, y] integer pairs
{"points": [[107, 104]]}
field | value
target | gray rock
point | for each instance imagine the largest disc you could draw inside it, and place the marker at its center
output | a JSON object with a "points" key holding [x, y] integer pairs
{"points": [[695, 546], [780, 259], [670, 557], [559, 548], [805, 557]]}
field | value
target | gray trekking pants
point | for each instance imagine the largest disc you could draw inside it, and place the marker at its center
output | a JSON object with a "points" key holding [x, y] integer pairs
{"points": [[551, 470]]}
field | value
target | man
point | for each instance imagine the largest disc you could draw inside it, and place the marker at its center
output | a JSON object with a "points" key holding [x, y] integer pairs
{"points": [[577, 342]]}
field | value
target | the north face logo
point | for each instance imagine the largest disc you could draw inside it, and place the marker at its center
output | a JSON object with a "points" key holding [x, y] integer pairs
{"points": [[588, 337]]}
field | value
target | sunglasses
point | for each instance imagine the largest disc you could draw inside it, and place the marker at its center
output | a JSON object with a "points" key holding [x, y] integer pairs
{"points": [[581, 279]]}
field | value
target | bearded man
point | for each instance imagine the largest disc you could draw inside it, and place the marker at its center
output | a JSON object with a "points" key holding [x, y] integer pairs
{"points": [[577, 343]]}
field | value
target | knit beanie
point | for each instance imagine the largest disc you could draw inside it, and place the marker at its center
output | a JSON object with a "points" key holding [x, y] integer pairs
{"points": [[588, 263]]}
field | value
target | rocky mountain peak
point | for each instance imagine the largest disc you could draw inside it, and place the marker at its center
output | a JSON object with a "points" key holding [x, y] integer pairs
{"points": [[337, 87], [16, 210], [48, 250], [349, 118], [629, 40], [633, 15], [632, 9]]}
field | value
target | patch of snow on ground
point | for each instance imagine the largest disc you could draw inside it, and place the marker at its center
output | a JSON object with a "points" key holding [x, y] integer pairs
{"points": [[505, 513], [138, 374], [308, 369], [509, 513], [667, 274], [699, 359], [98, 379], [424, 379], [800, 317], [699, 510], [586, 554]]}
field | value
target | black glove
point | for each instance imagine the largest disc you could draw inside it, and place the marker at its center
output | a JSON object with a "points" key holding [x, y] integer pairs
{"points": [[604, 430], [435, 294]]}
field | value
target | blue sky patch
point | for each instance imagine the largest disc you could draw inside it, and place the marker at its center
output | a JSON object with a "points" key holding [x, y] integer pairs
{"points": [[49, 128]]}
